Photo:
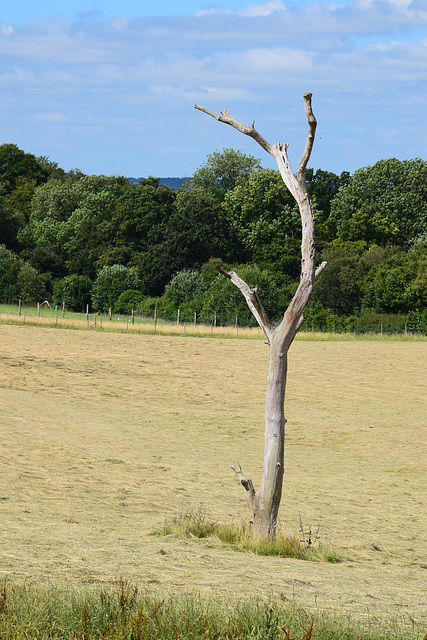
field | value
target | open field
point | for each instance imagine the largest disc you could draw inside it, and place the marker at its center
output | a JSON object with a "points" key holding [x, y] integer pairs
{"points": [[105, 435]]}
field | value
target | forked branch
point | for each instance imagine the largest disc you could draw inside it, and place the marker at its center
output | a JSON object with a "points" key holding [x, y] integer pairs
{"points": [[278, 150]]}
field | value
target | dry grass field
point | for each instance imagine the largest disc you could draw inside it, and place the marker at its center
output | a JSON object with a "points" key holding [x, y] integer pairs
{"points": [[105, 435]]}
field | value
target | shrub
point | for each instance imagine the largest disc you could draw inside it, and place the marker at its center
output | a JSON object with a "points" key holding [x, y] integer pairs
{"points": [[110, 283], [184, 287], [74, 290], [147, 305], [31, 285], [417, 321], [128, 300]]}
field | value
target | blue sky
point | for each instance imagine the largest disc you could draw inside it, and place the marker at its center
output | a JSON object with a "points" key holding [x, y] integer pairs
{"points": [[110, 87]]}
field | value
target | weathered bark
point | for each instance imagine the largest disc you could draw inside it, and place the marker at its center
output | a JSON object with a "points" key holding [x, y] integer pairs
{"points": [[264, 504]]}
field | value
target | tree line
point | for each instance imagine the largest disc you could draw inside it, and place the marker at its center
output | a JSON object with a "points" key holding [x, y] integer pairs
{"points": [[109, 243]]}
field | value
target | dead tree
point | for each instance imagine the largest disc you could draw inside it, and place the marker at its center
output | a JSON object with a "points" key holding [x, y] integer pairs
{"points": [[264, 504]]}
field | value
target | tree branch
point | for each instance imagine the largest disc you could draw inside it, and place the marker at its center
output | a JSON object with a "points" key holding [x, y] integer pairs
{"points": [[253, 301], [227, 118], [319, 269], [312, 124], [247, 486]]}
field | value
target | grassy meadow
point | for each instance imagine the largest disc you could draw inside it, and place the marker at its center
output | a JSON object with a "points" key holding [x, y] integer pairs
{"points": [[104, 436]]}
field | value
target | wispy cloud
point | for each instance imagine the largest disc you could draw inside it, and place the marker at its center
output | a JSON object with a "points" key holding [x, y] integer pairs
{"points": [[254, 10]]}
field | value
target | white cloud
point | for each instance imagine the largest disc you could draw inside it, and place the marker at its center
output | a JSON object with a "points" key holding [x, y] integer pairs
{"points": [[51, 118], [401, 4], [255, 10], [7, 29], [213, 11]]}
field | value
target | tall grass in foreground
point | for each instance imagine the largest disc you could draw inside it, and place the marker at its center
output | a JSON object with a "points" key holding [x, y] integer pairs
{"points": [[123, 611], [240, 537]]}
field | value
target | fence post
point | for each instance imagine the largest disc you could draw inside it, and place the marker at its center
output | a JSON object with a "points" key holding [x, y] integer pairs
{"points": [[63, 309], [19, 310], [406, 328], [38, 309], [155, 320], [195, 319], [87, 315], [215, 319], [133, 317], [177, 317], [109, 314], [381, 329]]}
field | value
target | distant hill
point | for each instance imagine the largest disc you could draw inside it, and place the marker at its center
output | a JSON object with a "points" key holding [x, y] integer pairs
{"points": [[173, 183]]}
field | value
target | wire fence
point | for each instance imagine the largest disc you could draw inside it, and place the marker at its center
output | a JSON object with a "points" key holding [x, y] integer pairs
{"points": [[58, 315]]}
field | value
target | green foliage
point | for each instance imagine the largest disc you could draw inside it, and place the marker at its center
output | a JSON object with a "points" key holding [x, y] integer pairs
{"points": [[14, 212], [398, 284], [31, 285], [71, 224], [231, 211], [129, 300], [382, 279], [10, 267], [74, 290], [417, 321], [184, 287], [148, 305], [383, 203], [339, 288], [111, 282], [282, 258], [262, 210], [15, 164], [222, 171], [322, 187], [209, 270], [196, 230]]}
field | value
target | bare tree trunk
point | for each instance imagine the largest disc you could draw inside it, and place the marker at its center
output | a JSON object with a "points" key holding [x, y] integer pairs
{"points": [[264, 504], [270, 491]]}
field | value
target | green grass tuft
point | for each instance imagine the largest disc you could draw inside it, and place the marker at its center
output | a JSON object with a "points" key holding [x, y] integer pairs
{"points": [[124, 611], [240, 537]]}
